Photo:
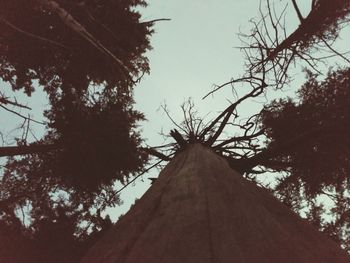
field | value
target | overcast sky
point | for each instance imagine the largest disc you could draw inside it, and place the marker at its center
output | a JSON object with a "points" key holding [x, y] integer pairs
{"points": [[193, 51]]}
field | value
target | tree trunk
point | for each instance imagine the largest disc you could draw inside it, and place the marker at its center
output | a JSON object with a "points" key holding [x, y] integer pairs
{"points": [[200, 210]]}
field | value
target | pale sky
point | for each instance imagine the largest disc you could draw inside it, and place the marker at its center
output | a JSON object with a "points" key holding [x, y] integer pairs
{"points": [[193, 51]]}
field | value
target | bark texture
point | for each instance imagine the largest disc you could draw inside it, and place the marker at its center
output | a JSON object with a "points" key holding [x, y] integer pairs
{"points": [[200, 210]]}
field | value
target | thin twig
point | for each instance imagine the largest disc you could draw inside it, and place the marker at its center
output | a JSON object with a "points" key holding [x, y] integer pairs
{"points": [[22, 116], [55, 43], [137, 176]]}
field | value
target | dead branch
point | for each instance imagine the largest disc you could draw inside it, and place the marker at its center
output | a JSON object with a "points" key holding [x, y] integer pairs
{"points": [[229, 111], [178, 138], [4, 100], [239, 139], [268, 46], [21, 115], [150, 22], [297, 10], [156, 153]]}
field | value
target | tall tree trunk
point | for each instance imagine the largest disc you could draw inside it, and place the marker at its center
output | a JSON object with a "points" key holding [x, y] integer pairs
{"points": [[200, 210]]}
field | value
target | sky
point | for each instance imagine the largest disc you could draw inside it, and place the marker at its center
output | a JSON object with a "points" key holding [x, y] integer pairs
{"points": [[193, 51]]}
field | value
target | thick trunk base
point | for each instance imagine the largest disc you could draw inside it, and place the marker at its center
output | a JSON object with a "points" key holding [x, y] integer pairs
{"points": [[200, 210]]}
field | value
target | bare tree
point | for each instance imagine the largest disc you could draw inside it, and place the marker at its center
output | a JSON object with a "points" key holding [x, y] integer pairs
{"points": [[268, 46]]}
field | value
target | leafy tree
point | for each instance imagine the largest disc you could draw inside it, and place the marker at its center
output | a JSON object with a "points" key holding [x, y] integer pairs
{"points": [[319, 163], [66, 178], [86, 55]]}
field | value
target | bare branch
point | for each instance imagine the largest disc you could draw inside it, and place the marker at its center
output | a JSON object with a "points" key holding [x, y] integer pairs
{"points": [[155, 20], [239, 139], [268, 46], [227, 113], [5, 101], [22, 116], [171, 119], [301, 18], [155, 153], [178, 138]]}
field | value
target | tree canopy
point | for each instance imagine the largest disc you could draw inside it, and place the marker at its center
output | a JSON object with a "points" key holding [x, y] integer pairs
{"points": [[88, 55], [319, 163]]}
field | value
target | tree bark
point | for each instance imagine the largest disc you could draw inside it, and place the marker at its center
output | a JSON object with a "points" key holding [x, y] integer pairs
{"points": [[200, 210]]}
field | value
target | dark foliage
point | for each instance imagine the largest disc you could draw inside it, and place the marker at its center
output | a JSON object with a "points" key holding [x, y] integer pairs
{"points": [[12, 242], [94, 129], [86, 55], [322, 110], [316, 128], [38, 44], [52, 239], [102, 136]]}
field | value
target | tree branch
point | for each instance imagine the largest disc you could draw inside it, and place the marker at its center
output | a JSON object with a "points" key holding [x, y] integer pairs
{"points": [[265, 155], [78, 28], [20, 115], [5, 101], [155, 20], [27, 149], [178, 138], [301, 18], [33, 35], [240, 138], [155, 153], [256, 91]]}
